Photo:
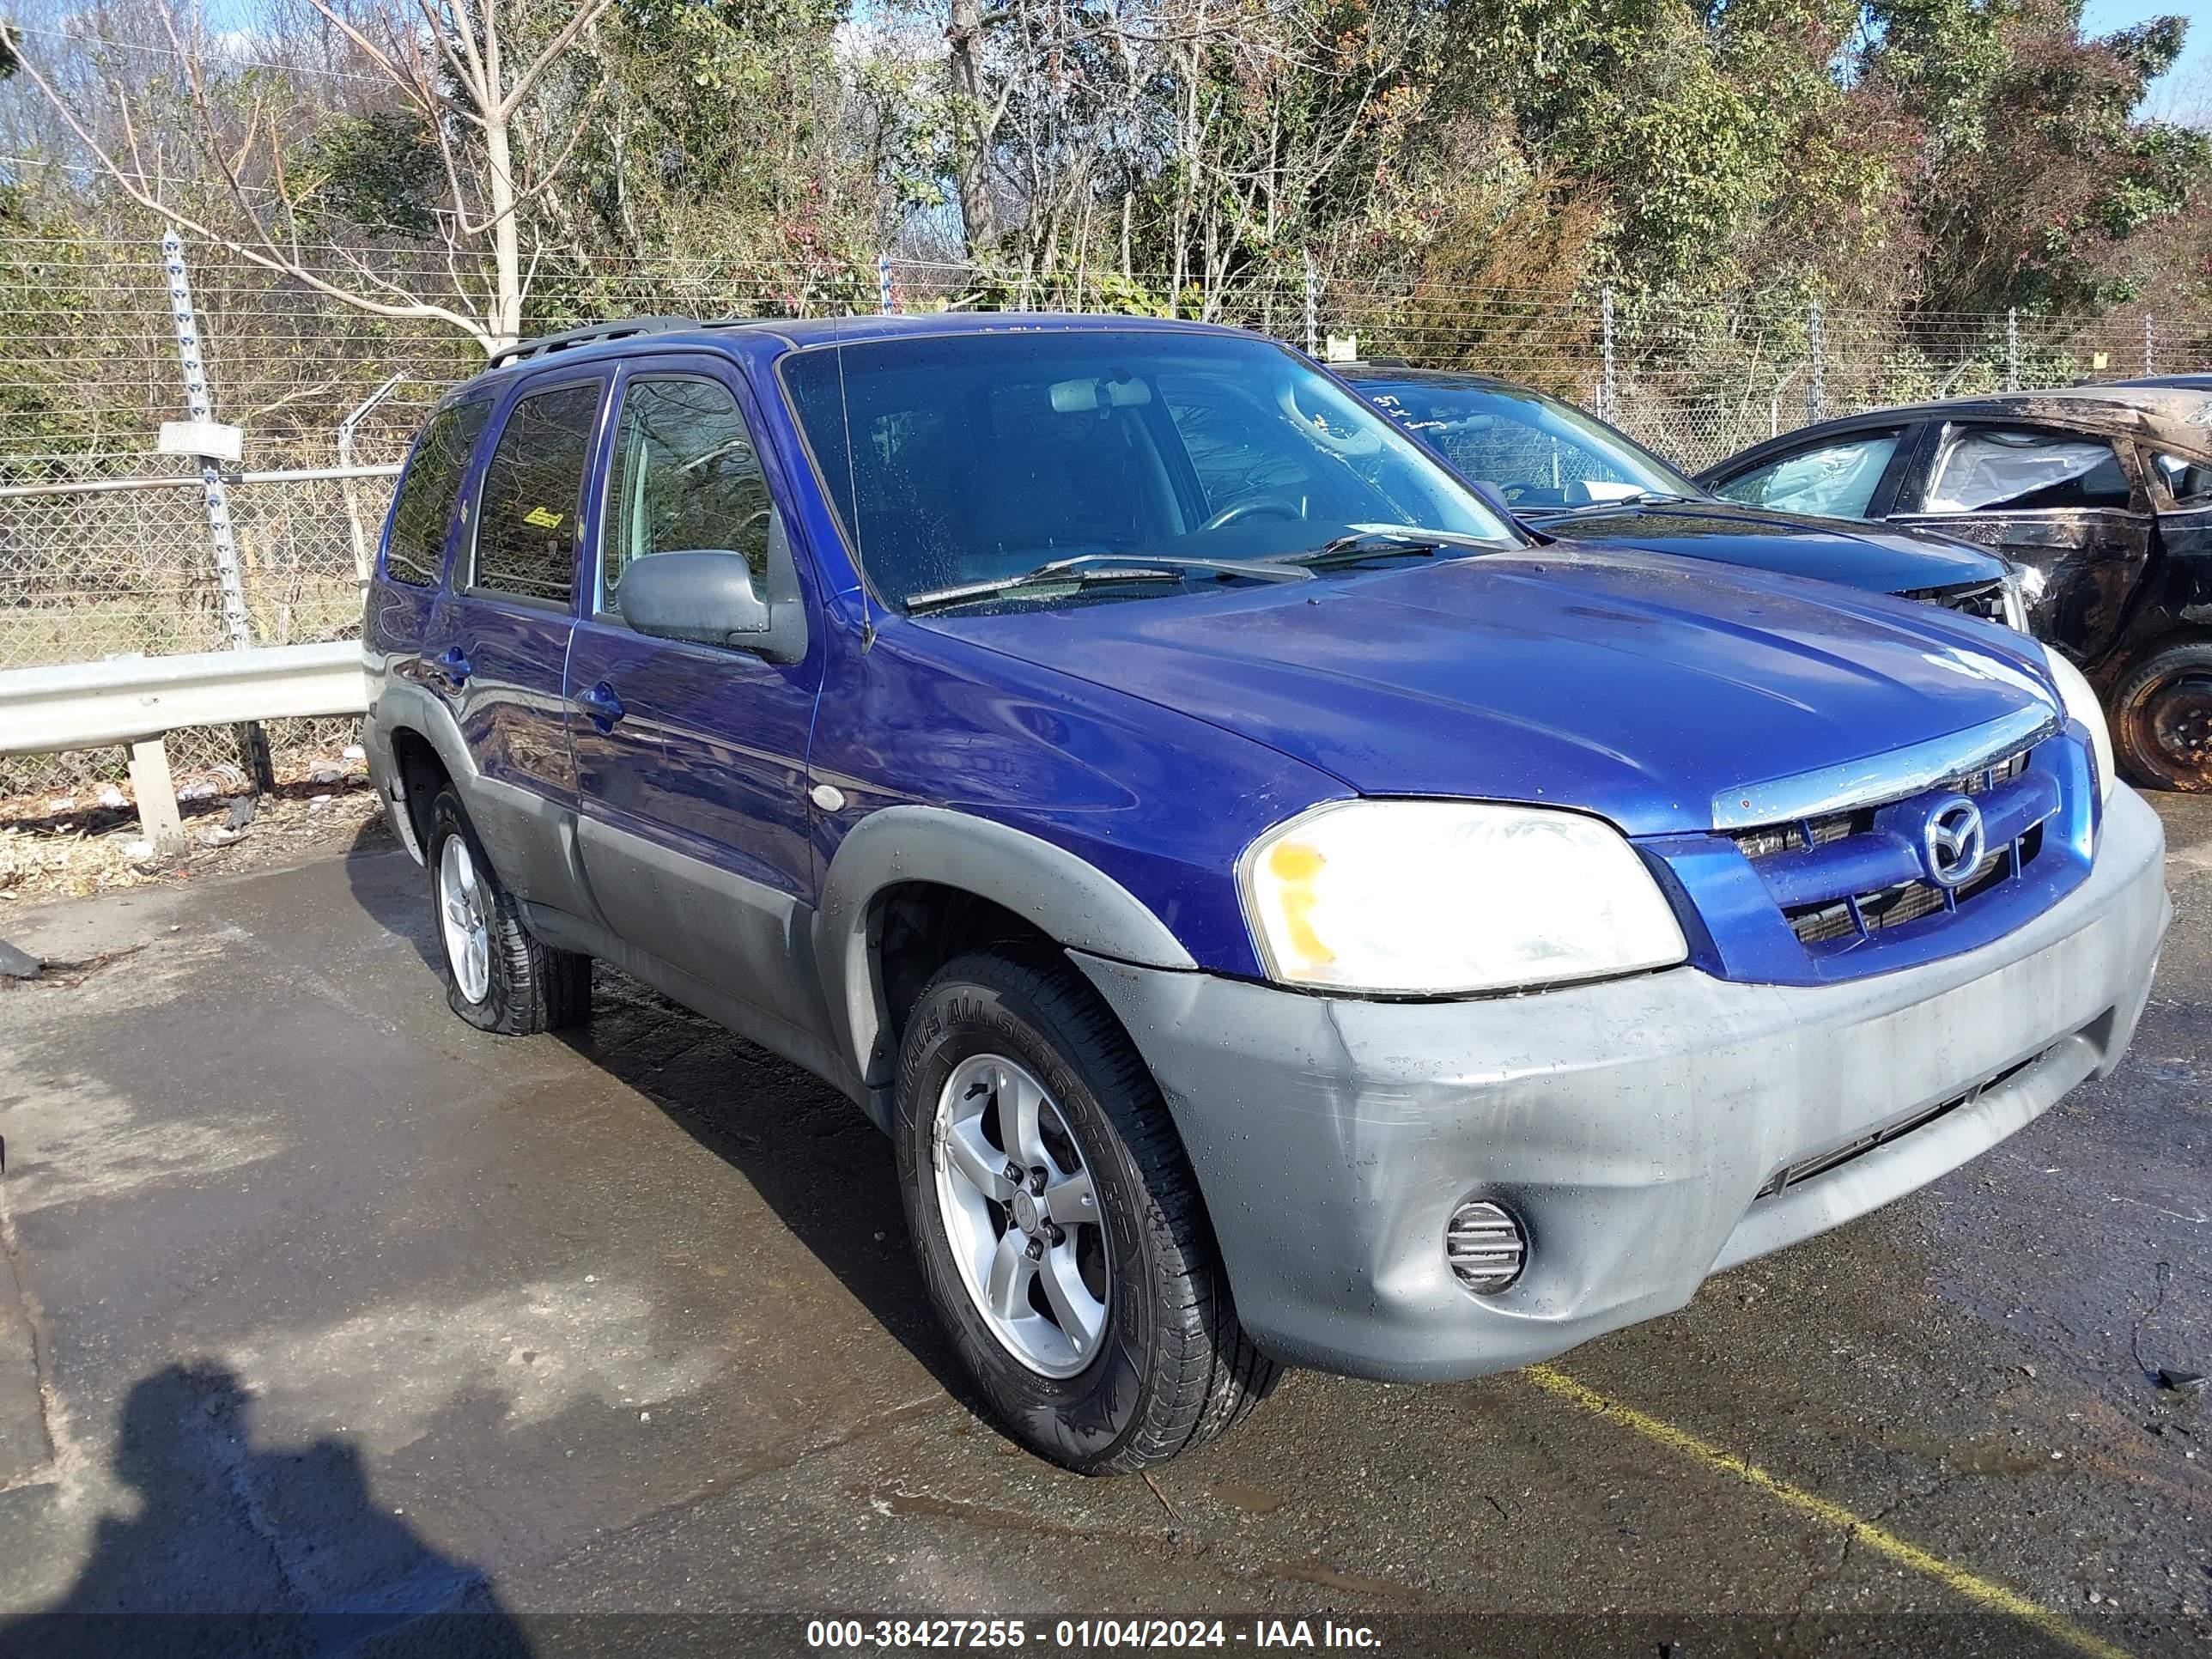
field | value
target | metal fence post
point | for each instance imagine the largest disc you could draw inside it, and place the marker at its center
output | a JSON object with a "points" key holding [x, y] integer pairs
{"points": [[1313, 304], [1607, 391], [199, 406], [2149, 337], [889, 304], [1816, 390], [347, 428], [2012, 349]]}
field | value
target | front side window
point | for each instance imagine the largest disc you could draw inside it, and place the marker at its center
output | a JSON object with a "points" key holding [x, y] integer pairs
{"points": [[1993, 469], [684, 477], [2187, 480], [532, 495], [424, 511], [1832, 480], [1537, 450], [973, 457]]}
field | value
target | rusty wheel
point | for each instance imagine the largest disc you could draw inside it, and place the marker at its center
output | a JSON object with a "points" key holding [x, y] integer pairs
{"points": [[2162, 718]]}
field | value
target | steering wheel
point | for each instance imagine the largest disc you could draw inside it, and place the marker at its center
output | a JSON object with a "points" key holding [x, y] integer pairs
{"points": [[1250, 505], [1313, 425]]}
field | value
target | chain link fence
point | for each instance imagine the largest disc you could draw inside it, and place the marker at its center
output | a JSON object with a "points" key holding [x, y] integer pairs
{"points": [[105, 545]]}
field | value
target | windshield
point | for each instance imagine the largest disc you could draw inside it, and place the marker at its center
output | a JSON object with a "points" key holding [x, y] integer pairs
{"points": [[1538, 451], [974, 457]]}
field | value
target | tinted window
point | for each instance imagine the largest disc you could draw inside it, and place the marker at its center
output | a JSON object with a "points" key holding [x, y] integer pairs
{"points": [[1833, 480], [424, 509], [1539, 451], [532, 494], [1987, 469], [2189, 482], [684, 478], [975, 457]]}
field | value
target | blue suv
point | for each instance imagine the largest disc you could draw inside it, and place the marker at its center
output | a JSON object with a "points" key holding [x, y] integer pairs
{"points": [[1283, 914]]}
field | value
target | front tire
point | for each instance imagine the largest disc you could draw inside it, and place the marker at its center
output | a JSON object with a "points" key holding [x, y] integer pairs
{"points": [[2162, 718], [1058, 1226], [498, 976]]}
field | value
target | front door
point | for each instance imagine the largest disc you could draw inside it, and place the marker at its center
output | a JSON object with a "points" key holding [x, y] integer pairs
{"points": [[2066, 504], [498, 645], [691, 759]]}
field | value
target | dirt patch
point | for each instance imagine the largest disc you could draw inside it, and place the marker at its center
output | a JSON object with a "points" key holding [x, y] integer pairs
{"points": [[64, 847]]}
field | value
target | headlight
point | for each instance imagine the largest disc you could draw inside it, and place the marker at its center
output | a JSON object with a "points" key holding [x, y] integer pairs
{"points": [[2015, 601], [1432, 898], [2082, 705]]}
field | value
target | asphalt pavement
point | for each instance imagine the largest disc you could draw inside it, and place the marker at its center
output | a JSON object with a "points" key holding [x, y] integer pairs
{"points": [[330, 1324]]}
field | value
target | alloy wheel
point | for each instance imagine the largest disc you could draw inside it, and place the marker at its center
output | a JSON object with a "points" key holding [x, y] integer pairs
{"points": [[1022, 1215]]}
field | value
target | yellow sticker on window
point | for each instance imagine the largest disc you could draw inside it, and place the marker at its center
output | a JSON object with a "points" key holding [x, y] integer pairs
{"points": [[544, 517]]}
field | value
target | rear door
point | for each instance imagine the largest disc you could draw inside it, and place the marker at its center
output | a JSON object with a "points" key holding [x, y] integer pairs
{"points": [[403, 597], [2071, 507], [497, 651], [691, 759]]}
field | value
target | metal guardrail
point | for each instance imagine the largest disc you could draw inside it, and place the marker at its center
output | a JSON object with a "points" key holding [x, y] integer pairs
{"points": [[137, 700]]}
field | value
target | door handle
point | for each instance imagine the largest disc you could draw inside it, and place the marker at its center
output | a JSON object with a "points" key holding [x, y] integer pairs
{"points": [[602, 705], [454, 664]]}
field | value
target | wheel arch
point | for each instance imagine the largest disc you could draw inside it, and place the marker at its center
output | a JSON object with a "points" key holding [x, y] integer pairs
{"points": [[989, 879], [414, 747]]}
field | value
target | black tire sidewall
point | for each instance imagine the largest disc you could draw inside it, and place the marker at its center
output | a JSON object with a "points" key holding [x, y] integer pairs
{"points": [[2139, 754], [1080, 1421], [497, 1010]]}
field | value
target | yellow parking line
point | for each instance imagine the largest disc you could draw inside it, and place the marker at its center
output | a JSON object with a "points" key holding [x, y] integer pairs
{"points": [[1974, 1588]]}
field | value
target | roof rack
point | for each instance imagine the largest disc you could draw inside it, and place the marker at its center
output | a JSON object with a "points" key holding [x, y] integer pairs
{"points": [[544, 345]]}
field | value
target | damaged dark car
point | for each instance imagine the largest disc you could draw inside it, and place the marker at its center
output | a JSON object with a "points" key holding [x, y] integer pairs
{"points": [[2100, 494]]}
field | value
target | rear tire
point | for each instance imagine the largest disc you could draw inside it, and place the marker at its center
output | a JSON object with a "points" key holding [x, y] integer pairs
{"points": [[1115, 1344], [498, 976], [2162, 718]]}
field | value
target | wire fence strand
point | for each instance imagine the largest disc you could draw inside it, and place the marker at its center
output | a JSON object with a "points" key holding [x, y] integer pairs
{"points": [[90, 371]]}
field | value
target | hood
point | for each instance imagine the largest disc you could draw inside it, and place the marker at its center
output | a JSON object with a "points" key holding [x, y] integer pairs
{"points": [[1868, 556], [1632, 686]]}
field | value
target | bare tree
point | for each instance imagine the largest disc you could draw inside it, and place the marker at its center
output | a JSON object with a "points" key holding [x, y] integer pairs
{"points": [[467, 68], [976, 115]]}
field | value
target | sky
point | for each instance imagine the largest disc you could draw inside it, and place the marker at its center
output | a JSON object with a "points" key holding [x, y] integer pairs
{"points": [[2185, 93]]}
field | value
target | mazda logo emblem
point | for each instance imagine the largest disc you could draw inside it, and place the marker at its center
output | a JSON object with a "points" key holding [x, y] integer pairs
{"points": [[1951, 845]]}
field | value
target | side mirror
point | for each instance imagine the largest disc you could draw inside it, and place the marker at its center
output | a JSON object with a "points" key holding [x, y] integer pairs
{"points": [[707, 597]]}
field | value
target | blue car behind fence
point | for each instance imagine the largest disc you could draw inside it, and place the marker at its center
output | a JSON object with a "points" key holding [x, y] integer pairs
{"points": [[1284, 913]]}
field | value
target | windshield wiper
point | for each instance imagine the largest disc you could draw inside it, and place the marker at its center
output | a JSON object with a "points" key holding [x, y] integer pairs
{"points": [[1641, 498], [1089, 569], [1369, 541]]}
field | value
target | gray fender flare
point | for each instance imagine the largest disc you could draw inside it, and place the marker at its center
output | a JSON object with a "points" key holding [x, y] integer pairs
{"points": [[1070, 900], [399, 703]]}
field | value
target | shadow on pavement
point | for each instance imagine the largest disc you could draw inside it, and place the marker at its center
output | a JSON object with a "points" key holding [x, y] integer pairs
{"points": [[824, 1169], [391, 887], [239, 1549]]}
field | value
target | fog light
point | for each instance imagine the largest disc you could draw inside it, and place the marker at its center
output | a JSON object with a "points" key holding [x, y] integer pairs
{"points": [[1485, 1247]]}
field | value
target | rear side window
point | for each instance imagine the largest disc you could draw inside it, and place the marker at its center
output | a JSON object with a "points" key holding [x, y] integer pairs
{"points": [[1990, 470], [532, 497], [685, 478], [1832, 480], [424, 510]]}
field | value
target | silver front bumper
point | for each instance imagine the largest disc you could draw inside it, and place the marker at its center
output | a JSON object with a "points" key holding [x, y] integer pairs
{"points": [[1631, 1125]]}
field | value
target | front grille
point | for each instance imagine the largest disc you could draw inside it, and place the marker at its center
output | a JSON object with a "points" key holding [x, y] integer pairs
{"points": [[1797, 1173], [1823, 924], [1835, 920]]}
